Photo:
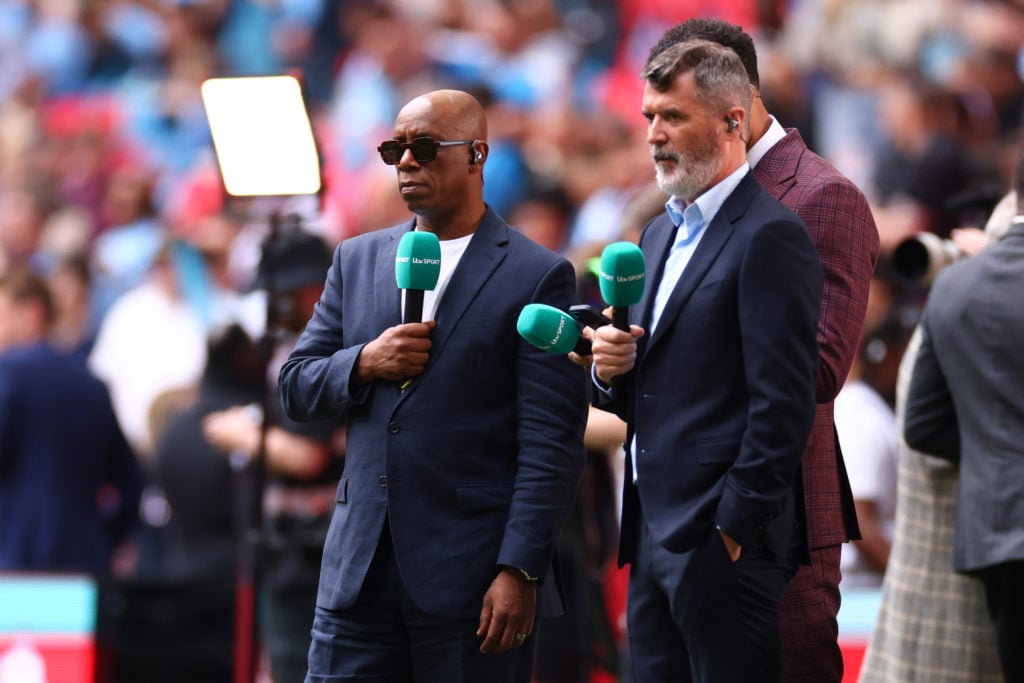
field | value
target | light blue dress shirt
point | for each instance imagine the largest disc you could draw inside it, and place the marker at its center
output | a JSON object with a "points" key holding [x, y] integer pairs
{"points": [[690, 221]]}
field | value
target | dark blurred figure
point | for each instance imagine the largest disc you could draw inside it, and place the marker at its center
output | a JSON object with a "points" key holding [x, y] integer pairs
{"points": [[24, 210], [176, 622], [573, 647], [69, 484], [200, 538], [544, 215], [924, 161], [74, 325], [965, 405], [867, 434], [303, 461]]}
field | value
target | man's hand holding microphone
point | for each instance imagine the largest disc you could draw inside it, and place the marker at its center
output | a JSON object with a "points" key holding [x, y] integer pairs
{"points": [[622, 276], [401, 352], [607, 341]]}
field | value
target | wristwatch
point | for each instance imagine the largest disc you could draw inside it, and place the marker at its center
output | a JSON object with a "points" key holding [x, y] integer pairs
{"points": [[525, 574]]}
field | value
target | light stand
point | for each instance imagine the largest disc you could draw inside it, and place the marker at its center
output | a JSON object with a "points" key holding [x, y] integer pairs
{"points": [[265, 148]]}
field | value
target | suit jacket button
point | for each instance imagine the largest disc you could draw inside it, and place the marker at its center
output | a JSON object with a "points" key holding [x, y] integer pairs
{"points": [[393, 427], [383, 481]]}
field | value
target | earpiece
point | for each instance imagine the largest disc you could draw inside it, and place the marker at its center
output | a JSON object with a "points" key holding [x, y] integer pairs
{"points": [[477, 157], [733, 123]]}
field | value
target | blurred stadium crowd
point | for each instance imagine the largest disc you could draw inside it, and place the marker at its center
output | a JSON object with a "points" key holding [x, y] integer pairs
{"points": [[110, 190]]}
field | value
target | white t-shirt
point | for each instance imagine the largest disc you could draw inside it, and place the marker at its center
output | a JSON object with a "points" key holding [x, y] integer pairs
{"points": [[451, 254], [150, 342], [867, 435]]}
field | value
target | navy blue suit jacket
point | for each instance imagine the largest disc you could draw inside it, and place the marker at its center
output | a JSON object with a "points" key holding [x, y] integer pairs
{"points": [[476, 463], [69, 484], [722, 397]]}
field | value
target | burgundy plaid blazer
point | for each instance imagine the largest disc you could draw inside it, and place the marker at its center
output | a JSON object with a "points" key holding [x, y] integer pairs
{"points": [[848, 248]]}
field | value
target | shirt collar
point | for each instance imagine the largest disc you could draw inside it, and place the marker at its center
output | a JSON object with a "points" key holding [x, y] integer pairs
{"points": [[771, 136], [708, 203]]}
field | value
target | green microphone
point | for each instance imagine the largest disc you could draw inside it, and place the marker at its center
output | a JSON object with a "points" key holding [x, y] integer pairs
{"points": [[621, 277], [417, 268], [551, 329]]}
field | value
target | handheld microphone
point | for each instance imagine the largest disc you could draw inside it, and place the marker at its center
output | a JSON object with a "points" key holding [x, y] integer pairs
{"points": [[417, 268], [551, 329], [622, 276]]}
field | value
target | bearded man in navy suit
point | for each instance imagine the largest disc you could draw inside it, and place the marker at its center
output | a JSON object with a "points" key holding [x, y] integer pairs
{"points": [[716, 381], [465, 443], [843, 230]]}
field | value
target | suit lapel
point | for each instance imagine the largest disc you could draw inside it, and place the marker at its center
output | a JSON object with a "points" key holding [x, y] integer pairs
{"points": [[776, 171], [655, 243], [486, 250], [711, 244], [707, 251]]}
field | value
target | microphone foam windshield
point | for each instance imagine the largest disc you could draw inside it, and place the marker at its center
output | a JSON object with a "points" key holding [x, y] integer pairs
{"points": [[622, 274], [418, 263], [548, 328]]}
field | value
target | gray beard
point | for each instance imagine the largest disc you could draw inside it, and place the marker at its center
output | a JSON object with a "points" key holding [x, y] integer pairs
{"points": [[691, 177]]}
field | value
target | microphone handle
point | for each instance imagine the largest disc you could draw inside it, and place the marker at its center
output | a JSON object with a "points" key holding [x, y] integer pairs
{"points": [[620, 317], [413, 306], [413, 314]]}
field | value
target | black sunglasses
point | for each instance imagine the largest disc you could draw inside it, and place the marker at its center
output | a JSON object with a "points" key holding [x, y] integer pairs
{"points": [[423, 149]]}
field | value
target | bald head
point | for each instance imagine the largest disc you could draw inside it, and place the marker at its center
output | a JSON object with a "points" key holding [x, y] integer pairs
{"points": [[458, 112], [444, 190]]}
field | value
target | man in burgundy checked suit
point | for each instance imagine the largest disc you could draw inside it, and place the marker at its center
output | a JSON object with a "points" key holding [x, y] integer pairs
{"points": [[844, 233]]}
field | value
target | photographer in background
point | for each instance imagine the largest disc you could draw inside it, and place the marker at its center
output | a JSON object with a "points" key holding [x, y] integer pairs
{"points": [[920, 257], [303, 461]]}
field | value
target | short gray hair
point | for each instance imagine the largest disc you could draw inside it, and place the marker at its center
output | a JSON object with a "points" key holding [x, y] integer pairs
{"points": [[720, 78]]}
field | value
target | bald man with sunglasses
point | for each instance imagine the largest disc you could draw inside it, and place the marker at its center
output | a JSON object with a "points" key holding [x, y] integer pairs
{"points": [[441, 550]]}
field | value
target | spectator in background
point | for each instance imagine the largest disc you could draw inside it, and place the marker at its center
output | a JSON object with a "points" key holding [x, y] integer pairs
{"points": [[74, 327], [131, 234], [153, 338], [965, 405], [606, 166], [544, 217], [69, 484], [867, 436], [922, 162], [173, 619], [24, 210], [203, 531]]}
